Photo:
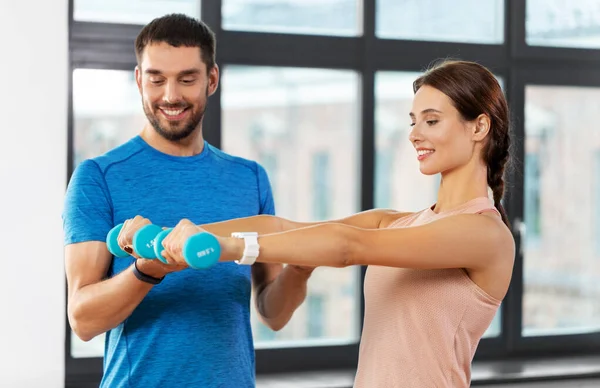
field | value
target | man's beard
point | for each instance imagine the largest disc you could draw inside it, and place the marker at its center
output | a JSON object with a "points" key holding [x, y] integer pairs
{"points": [[171, 133]]}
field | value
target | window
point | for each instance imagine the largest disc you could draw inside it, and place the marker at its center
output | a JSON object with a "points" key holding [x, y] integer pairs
{"points": [[306, 120], [562, 23], [262, 333], [319, 17], [384, 174], [596, 200], [131, 12], [266, 156], [532, 197], [106, 113], [106, 109], [465, 21], [326, 114], [315, 316], [405, 188], [321, 183], [561, 271], [268, 159]]}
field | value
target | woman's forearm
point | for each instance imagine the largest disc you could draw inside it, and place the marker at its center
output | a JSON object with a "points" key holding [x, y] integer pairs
{"points": [[327, 245], [262, 224]]}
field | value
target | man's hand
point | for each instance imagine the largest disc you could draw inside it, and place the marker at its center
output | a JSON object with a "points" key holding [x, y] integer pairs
{"points": [[130, 227], [157, 269], [153, 267], [304, 270]]}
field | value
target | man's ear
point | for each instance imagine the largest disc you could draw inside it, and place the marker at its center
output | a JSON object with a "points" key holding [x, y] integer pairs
{"points": [[138, 78], [213, 79]]}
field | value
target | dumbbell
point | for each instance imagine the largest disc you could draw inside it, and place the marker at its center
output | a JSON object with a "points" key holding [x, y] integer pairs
{"points": [[147, 242], [200, 251]]}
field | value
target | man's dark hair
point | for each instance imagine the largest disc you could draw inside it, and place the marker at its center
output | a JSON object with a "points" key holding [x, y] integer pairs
{"points": [[178, 30]]}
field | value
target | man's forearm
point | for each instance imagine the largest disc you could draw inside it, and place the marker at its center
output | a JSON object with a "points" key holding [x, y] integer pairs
{"points": [[279, 299], [277, 302], [99, 307]]}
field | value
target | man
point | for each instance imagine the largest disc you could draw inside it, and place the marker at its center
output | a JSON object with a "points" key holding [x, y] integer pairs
{"points": [[169, 327]]}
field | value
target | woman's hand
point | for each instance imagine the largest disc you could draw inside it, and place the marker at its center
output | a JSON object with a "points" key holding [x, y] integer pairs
{"points": [[231, 248], [175, 240]]}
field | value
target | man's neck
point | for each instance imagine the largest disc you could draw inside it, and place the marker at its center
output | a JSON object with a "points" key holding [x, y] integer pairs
{"points": [[190, 146]]}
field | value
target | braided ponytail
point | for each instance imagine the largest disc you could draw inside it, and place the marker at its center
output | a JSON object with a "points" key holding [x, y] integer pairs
{"points": [[497, 156]]}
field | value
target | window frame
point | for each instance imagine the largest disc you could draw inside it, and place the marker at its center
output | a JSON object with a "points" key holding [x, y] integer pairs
{"points": [[551, 74], [110, 46], [521, 50]]}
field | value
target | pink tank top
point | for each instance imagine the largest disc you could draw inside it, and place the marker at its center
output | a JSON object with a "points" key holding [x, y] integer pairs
{"points": [[422, 327]]}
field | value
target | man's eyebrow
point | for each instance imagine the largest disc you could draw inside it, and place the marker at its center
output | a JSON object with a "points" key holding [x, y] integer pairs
{"points": [[189, 72], [181, 73], [153, 71]]}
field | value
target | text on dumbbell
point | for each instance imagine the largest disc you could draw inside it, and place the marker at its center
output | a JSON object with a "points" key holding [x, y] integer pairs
{"points": [[205, 252]]}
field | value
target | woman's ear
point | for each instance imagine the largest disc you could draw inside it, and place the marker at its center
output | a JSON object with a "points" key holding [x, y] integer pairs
{"points": [[482, 127]]}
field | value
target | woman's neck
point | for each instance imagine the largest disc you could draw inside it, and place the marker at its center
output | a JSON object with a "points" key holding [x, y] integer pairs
{"points": [[461, 186]]}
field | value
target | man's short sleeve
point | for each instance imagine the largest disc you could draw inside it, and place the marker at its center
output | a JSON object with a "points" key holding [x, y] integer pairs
{"points": [[267, 204], [88, 213]]}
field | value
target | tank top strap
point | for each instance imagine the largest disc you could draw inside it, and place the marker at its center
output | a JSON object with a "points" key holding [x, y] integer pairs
{"points": [[479, 205]]}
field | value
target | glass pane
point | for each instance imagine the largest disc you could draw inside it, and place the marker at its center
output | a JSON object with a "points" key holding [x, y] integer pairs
{"points": [[318, 17], [563, 23], [464, 21], [106, 113], [303, 125], [396, 166], [131, 11], [561, 211]]}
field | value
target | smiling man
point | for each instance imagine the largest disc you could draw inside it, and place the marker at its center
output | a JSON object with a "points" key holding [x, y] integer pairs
{"points": [[170, 326]]}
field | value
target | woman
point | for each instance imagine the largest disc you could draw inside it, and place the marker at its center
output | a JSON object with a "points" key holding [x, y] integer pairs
{"points": [[435, 278]]}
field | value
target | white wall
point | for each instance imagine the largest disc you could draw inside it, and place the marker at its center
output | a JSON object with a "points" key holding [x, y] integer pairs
{"points": [[33, 140]]}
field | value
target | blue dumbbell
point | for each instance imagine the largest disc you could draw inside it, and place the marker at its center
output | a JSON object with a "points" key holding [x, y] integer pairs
{"points": [[158, 248], [200, 251], [112, 244], [143, 242]]}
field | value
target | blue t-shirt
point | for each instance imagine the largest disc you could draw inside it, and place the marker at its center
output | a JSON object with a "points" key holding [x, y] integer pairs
{"points": [[193, 329]]}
